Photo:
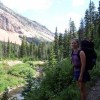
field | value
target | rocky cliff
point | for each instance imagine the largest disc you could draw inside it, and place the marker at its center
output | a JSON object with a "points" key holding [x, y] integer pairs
{"points": [[14, 26]]}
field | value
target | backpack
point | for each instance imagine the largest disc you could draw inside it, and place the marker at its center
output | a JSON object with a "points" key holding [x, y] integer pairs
{"points": [[91, 55]]}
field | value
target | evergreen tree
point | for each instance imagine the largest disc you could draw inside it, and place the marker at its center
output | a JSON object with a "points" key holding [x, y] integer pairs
{"points": [[51, 58], [28, 88], [1, 51], [99, 30], [8, 49], [44, 49], [72, 28], [89, 20], [40, 51], [92, 16], [56, 46], [4, 46], [81, 30], [12, 53], [65, 45], [60, 43], [23, 51], [99, 20], [99, 9], [16, 50], [36, 52], [96, 23], [86, 23], [27, 49], [31, 50]]}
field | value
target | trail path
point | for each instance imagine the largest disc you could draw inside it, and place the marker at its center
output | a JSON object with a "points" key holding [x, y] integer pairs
{"points": [[94, 92]]}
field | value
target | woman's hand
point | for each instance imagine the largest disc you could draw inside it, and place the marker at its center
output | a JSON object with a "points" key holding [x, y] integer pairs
{"points": [[80, 79]]}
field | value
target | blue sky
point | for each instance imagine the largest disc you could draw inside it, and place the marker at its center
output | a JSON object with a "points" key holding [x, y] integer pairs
{"points": [[51, 13]]}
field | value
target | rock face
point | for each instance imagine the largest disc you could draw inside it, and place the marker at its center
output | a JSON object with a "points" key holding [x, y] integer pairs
{"points": [[14, 24]]}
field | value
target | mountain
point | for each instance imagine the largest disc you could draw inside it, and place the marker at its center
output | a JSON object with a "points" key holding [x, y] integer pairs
{"points": [[13, 26]]}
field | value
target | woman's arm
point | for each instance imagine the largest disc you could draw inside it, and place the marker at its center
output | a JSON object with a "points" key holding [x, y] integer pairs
{"points": [[83, 63]]}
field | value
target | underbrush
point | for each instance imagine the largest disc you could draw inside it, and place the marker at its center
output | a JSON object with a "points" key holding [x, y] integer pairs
{"points": [[11, 76]]}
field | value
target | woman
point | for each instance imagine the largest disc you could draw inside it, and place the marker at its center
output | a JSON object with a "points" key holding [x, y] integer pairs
{"points": [[79, 61]]}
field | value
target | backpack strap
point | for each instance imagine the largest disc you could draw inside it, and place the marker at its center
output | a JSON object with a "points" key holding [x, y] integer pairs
{"points": [[71, 56], [78, 54]]}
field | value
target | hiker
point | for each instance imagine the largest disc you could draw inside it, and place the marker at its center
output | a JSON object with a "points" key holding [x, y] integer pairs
{"points": [[79, 63]]}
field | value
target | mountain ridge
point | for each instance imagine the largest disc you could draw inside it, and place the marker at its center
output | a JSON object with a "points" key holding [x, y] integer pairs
{"points": [[11, 21]]}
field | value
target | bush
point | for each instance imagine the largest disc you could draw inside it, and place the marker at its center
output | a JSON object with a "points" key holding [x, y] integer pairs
{"points": [[21, 70], [9, 81], [2, 71], [54, 83], [70, 93], [25, 59]]}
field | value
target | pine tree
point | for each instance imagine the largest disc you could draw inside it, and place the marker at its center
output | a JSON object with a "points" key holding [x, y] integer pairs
{"points": [[12, 53], [51, 58], [31, 48], [43, 48], [8, 49], [99, 9], [60, 43], [99, 20], [72, 28], [65, 45], [86, 18], [28, 88], [89, 20], [16, 50], [23, 51], [40, 51], [81, 30], [36, 52], [96, 23], [1, 51], [92, 15], [4, 46], [56, 46]]}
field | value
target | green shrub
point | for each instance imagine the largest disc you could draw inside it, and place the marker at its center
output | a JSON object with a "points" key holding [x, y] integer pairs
{"points": [[21, 70], [25, 59], [56, 80], [9, 81], [70, 93], [2, 71]]}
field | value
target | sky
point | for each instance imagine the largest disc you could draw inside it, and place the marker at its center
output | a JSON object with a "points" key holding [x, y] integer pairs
{"points": [[51, 13]]}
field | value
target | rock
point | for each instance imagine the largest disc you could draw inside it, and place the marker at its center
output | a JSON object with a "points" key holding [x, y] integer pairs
{"points": [[15, 23]]}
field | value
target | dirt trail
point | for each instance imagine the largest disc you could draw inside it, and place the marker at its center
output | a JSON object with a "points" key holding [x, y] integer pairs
{"points": [[94, 93]]}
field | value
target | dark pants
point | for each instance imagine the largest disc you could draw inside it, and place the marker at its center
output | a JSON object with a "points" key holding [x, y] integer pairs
{"points": [[86, 76]]}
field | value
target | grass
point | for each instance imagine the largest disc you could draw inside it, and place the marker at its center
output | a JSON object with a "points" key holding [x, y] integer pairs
{"points": [[9, 81], [21, 70], [11, 76]]}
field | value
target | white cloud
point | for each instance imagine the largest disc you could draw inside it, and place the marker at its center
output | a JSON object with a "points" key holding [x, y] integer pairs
{"points": [[77, 3], [23, 5]]}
